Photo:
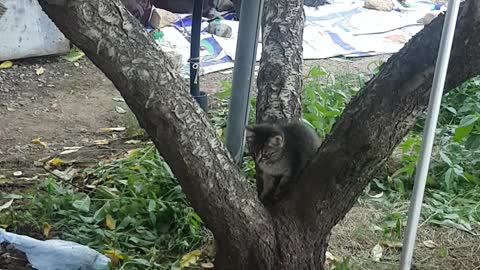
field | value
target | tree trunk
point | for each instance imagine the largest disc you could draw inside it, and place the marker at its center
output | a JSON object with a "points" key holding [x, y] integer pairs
{"points": [[280, 77], [293, 233]]}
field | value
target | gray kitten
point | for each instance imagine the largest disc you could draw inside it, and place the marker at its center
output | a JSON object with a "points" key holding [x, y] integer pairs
{"points": [[280, 152]]}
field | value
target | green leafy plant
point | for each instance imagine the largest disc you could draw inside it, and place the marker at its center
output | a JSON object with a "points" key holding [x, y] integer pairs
{"points": [[133, 206], [325, 97]]}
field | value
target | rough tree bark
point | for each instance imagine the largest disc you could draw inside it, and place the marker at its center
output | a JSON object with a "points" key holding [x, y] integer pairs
{"points": [[292, 234], [281, 66]]}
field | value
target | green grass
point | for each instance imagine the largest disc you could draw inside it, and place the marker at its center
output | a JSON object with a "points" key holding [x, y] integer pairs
{"points": [[154, 225]]}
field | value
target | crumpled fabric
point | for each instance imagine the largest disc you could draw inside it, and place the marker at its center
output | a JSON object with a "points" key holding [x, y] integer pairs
{"points": [[56, 254], [140, 9]]}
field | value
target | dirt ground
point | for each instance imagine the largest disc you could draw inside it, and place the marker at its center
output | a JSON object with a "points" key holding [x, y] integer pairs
{"points": [[67, 104]]}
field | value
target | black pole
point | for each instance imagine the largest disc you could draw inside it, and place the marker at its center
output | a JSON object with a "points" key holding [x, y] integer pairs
{"points": [[201, 97]]}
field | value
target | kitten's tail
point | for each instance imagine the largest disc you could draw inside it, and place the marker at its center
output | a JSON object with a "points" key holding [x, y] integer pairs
{"points": [[3, 9]]}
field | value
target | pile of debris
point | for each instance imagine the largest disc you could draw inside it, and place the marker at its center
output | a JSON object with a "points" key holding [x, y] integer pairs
{"points": [[143, 9]]}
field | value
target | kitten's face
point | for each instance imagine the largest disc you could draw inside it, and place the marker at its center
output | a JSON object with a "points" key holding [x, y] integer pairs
{"points": [[265, 144]]}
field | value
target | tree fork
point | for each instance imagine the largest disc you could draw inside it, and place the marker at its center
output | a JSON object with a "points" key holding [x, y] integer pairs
{"points": [[293, 234]]}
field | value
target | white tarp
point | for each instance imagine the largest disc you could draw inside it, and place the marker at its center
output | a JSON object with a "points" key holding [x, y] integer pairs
{"points": [[26, 31], [341, 29]]}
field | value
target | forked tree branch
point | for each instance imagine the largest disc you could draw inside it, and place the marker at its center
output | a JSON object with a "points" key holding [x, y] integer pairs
{"points": [[380, 116], [144, 75]]}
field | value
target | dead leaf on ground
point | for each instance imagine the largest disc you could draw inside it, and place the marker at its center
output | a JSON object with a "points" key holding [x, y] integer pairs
{"points": [[377, 252], [118, 99], [38, 141], [120, 110], [190, 258], [133, 142], [46, 229], [429, 244], [56, 162], [101, 142], [391, 244], [110, 222], [376, 196], [331, 257], [207, 266], [70, 150], [6, 205], [113, 129], [114, 256], [39, 71], [66, 175], [6, 65]]}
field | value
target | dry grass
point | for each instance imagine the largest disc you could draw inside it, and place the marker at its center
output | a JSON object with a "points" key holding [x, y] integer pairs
{"points": [[356, 235]]}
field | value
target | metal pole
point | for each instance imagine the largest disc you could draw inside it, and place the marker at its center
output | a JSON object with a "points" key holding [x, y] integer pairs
{"points": [[429, 133], [245, 58], [195, 47], [200, 97]]}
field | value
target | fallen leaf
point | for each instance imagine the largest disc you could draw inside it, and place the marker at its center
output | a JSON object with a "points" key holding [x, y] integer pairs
{"points": [[120, 110], [429, 244], [38, 141], [74, 55], [391, 244], [46, 229], [207, 266], [118, 99], [56, 162], [190, 258], [377, 252], [376, 196], [101, 142], [114, 256], [110, 222], [6, 205], [70, 149], [17, 173], [133, 152], [6, 65], [66, 175], [39, 71], [66, 152], [112, 129], [331, 257], [133, 142]]}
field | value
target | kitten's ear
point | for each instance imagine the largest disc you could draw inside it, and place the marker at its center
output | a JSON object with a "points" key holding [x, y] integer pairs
{"points": [[249, 133], [276, 141]]}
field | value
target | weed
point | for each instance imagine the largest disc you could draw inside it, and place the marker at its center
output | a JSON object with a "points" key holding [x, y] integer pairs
{"points": [[324, 98], [136, 208]]}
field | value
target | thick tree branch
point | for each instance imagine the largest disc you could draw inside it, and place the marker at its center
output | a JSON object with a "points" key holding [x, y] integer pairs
{"points": [[280, 77], [376, 120], [145, 77]]}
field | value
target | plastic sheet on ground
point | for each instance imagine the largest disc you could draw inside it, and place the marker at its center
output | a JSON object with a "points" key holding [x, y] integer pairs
{"points": [[341, 29]]}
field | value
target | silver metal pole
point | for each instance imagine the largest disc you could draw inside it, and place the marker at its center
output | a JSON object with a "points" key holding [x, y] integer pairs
{"points": [[245, 58], [429, 133]]}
